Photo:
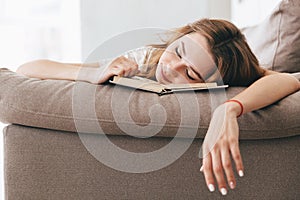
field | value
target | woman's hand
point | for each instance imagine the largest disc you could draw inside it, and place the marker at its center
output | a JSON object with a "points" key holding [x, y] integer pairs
{"points": [[220, 144], [121, 66]]}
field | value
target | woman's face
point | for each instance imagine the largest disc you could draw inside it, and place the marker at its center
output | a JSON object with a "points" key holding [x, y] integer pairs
{"points": [[186, 60]]}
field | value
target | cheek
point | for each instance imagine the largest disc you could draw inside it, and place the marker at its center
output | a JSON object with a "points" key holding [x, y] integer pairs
{"points": [[157, 73], [162, 58], [165, 58]]}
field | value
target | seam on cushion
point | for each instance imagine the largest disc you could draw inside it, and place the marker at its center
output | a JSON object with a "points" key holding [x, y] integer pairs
{"points": [[205, 127], [278, 38], [112, 121], [270, 129], [29, 111], [87, 119]]}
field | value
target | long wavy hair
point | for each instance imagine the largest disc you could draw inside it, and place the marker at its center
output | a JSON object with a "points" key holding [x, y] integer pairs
{"points": [[236, 63]]}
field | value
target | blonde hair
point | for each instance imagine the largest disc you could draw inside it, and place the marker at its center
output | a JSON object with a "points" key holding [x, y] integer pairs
{"points": [[236, 63]]}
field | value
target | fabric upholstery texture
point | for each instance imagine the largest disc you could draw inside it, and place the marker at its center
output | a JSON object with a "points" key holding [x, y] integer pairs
{"points": [[41, 163], [46, 164], [276, 41], [51, 104]]}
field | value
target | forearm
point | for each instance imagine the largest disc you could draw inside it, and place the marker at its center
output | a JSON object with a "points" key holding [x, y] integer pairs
{"points": [[46, 69], [96, 64], [266, 91]]}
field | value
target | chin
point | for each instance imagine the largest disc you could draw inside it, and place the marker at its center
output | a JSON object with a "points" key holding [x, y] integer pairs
{"points": [[157, 76]]}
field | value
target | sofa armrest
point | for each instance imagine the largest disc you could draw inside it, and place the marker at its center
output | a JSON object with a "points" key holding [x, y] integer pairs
{"points": [[83, 107]]}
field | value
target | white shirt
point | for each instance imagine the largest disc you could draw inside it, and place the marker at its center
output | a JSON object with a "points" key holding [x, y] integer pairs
{"points": [[138, 55]]}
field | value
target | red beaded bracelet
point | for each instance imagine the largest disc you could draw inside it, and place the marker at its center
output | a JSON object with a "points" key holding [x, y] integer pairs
{"points": [[241, 105]]}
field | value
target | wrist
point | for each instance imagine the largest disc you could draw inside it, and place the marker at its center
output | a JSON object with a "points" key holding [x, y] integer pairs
{"points": [[234, 107], [88, 74]]}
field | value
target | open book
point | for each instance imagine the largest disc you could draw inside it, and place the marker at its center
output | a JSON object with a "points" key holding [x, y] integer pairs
{"points": [[153, 86]]}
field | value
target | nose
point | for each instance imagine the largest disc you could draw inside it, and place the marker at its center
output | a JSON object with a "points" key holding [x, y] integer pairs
{"points": [[177, 68]]}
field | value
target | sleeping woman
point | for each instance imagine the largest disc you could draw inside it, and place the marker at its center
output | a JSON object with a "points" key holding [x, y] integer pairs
{"points": [[208, 50]]}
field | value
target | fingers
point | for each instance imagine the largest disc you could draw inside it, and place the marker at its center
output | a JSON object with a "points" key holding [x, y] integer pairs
{"points": [[120, 66], [236, 155], [227, 166], [223, 137], [214, 167], [218, 162], [209, 177], [124, 67], [218, 170]]}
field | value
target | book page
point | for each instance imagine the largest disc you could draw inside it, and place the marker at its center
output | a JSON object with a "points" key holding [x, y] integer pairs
{"points": [[154, 86], [139, 83], [191, 85]]}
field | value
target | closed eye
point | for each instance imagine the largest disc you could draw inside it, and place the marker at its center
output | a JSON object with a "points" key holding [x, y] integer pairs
{"points": [[177, 52], [188, 75]]}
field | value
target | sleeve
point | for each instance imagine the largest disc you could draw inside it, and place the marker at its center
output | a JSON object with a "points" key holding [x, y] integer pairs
{"points": [[139, 56], [104, 62]]}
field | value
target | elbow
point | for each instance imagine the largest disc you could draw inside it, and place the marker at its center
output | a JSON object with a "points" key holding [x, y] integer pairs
{"points": [[29, 68], [298, 86], [294, 82], [22, 69]]}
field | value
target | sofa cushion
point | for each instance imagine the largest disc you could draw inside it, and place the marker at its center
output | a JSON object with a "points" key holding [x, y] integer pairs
{"points": [[83, 107], [276, 41]]}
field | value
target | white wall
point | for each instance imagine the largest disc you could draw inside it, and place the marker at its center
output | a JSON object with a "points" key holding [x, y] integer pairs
{"points": [[35, 29], [251, 12], [102, 19]]}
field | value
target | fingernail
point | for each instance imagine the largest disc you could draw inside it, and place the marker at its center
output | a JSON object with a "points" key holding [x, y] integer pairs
{"points": [[201, 168], [211, 187], [241, 173], [231, 185], [223, 191]]}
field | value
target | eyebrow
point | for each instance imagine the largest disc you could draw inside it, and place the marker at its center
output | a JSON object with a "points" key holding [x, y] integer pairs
{"points": [[183, 53], [183, 48]]}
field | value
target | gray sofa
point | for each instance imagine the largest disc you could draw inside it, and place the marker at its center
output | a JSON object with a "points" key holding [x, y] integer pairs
{"points": [[57, 143], [46, 157]]}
